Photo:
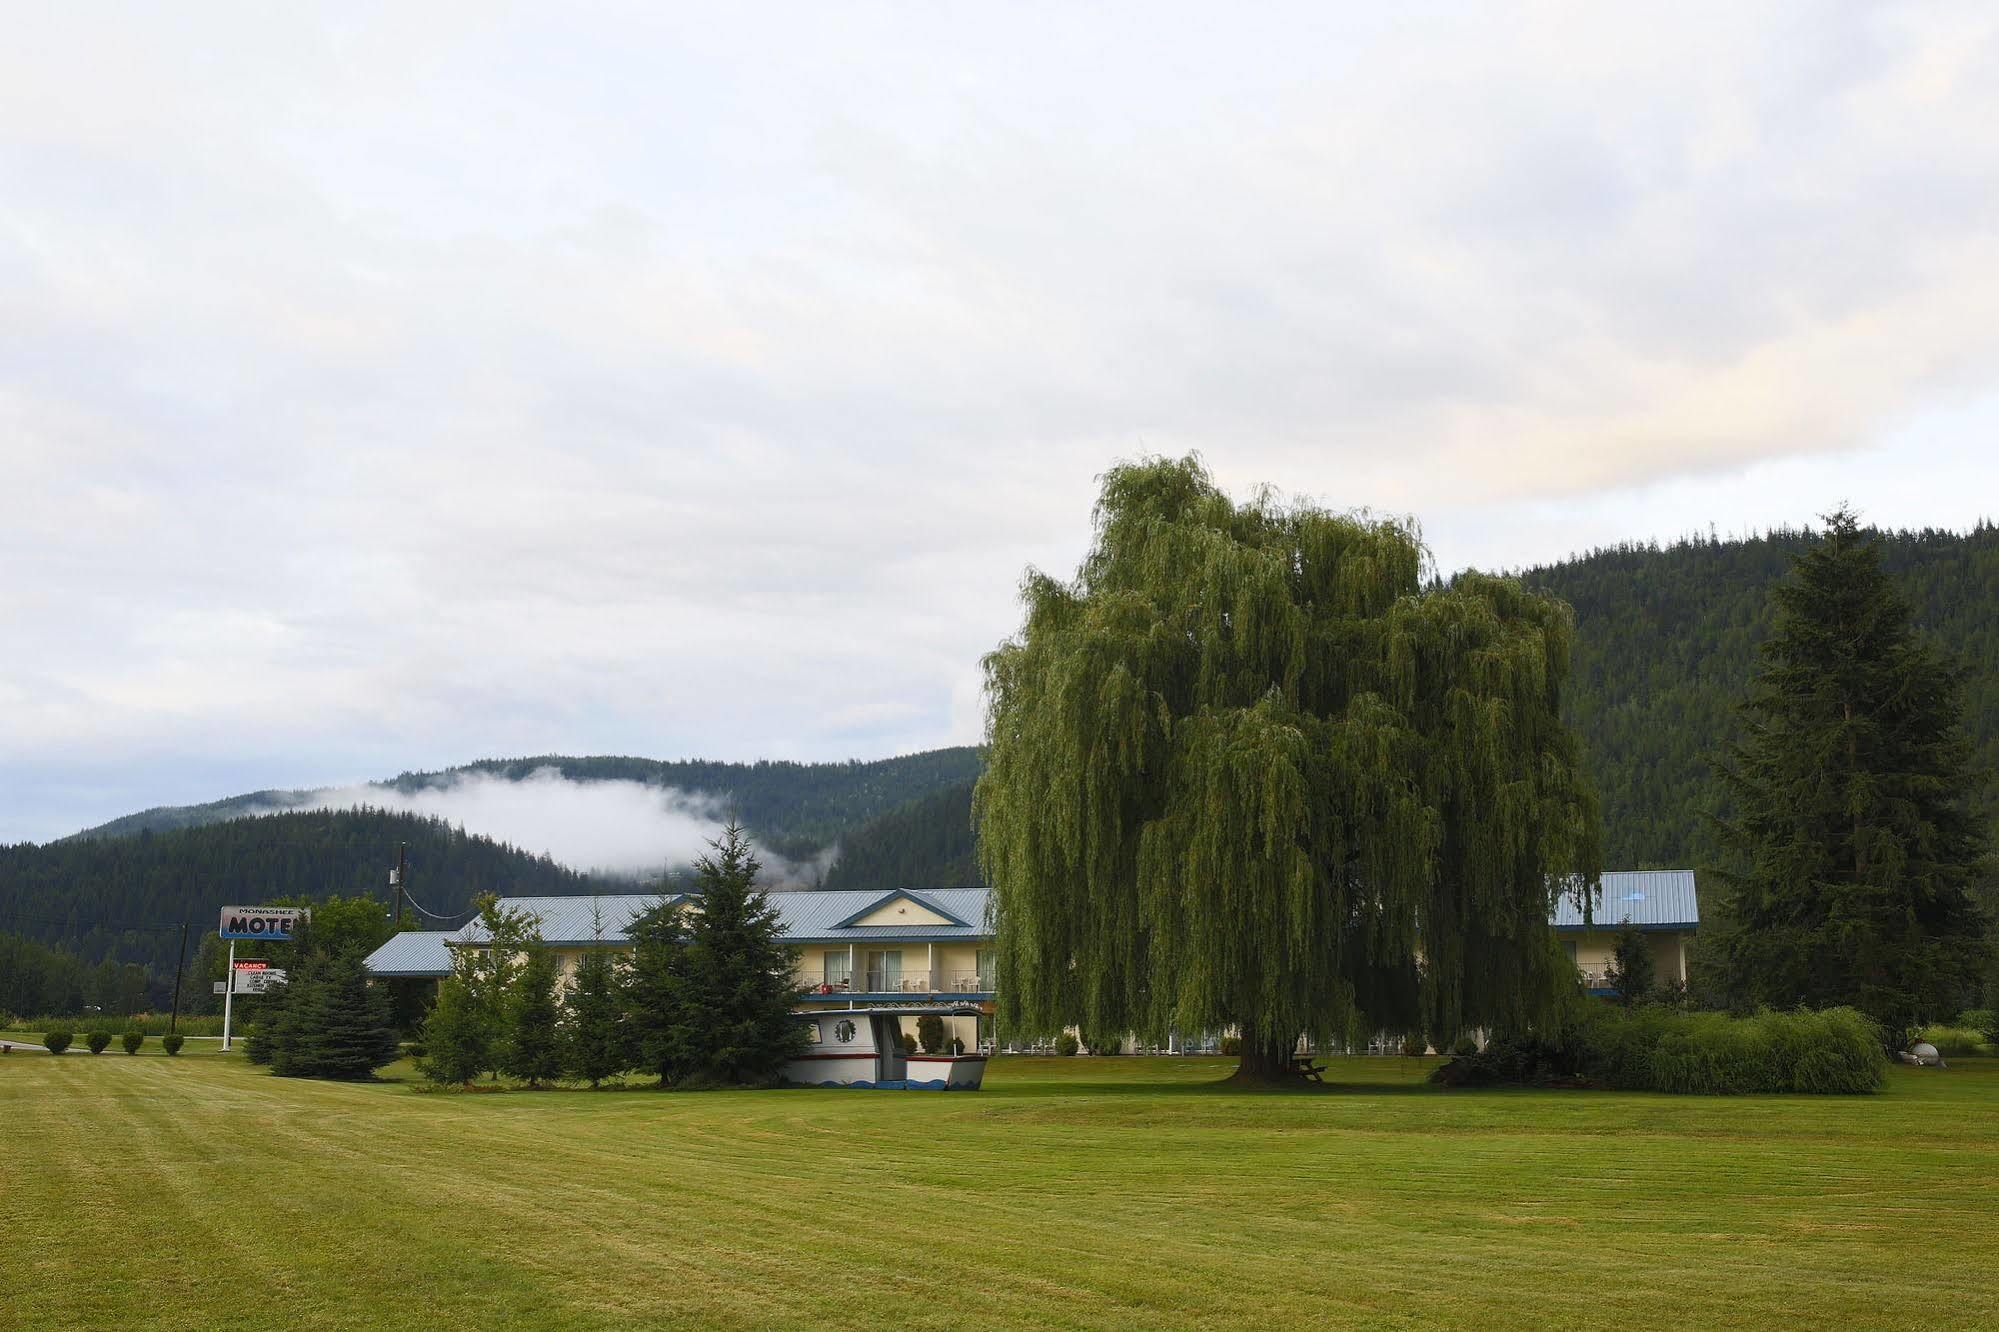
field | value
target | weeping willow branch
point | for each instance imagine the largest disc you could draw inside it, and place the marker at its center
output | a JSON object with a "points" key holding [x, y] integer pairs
{"points": [[1246, 769]]}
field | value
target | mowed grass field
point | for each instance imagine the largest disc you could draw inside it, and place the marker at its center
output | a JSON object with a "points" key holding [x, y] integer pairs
{"points": [[199, 1192]]}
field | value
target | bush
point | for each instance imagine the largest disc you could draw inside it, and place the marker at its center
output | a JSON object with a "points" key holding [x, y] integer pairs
{"points": [[908, 1043], [930, 1033], [57, 1041], [1067, 1044], [1983, 1020], [1104, 1045], [1232, 1046], [1414, 1045], [97, 1040], [1464, 1045], [1836, 1050], [1956, 1042], [172, 1042], [132, 1040]]}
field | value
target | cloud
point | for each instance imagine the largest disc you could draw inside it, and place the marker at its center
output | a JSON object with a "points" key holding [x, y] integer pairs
{"points": [[385, 388], [620, 828]]}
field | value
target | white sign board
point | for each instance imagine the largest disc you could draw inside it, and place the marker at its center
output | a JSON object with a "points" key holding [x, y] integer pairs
{"points": [[253, 982], [278, 923]]}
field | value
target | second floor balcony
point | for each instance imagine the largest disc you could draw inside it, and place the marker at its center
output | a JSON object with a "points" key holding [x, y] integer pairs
{"points": [[905, 981]]}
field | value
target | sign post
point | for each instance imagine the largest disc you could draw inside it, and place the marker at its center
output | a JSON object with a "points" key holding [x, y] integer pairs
{"points": [[266, 923]]}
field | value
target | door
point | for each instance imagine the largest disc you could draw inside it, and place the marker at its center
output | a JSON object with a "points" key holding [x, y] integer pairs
{"points": [[888, 1044], [884, 970]]}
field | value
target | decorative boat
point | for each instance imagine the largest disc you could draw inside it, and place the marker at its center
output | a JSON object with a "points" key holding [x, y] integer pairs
{"points": [[862, 1047]]}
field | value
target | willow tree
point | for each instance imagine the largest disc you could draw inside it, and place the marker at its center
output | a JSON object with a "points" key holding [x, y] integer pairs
{"points": [[1246, 769]]}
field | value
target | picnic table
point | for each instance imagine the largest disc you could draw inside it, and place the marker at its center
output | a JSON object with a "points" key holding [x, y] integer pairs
{"points": [[1303, 1066]]}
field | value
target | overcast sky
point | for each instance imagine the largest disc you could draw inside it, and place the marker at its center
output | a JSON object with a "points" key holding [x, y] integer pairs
{"points": [[386, 388]]}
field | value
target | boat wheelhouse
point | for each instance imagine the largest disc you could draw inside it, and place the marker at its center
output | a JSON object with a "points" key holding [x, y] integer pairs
{"points": [[863, 1047]]}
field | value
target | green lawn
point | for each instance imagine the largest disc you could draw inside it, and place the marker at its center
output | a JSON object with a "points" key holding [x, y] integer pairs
{"points": [[198, 1192]]}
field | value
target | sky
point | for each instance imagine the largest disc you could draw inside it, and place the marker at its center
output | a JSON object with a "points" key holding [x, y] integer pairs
{"points": [[388, 387]]}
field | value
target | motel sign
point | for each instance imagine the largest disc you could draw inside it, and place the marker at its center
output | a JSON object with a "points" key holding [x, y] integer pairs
{"points": [[278, 923]]}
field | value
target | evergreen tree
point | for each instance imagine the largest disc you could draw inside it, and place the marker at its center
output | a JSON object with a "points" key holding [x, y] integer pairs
{"points": [[457, 1036], [278, 1030], [1247, 768], [532, 1050], [653, 987], [1633, 972], [491, 973], [596, 1037], [339, 1027], [1856, 852], [721, 1002]]}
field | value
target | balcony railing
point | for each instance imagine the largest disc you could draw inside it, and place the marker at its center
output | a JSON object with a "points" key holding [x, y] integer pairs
{"points": [[906, 981]]}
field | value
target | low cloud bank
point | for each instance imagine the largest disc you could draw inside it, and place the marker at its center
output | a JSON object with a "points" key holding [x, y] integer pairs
{"points": [[619, 828]]}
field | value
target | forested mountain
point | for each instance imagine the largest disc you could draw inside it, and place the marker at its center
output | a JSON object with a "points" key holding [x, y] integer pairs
{"points": [[926, 843], [118, 897], [793, 808], [1666, 639], [1665, 642]]}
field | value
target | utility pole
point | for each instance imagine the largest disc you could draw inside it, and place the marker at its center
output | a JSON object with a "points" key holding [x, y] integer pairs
{"points": [[396, 878], [180, 961]]}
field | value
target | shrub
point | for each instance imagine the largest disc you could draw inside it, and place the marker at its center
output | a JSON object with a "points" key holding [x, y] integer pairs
{"points": [[1464, 1045], [172, 1042], [1982, 1020], [1232, 1046], [1104, 1045], [1413, 1045], [132, 1040], [907, 1041], [930, 1033], [1836, 1050], [1067, 1044], [1956, 1042], [97, 1040], [56, 1041]]}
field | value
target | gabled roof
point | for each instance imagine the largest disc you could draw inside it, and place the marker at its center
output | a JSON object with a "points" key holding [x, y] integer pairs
{"points": [[924, 900], [1648, 899], [412, 953]]}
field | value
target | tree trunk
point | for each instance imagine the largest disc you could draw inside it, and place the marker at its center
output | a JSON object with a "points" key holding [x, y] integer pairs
{"points": [[1267, 1065]]}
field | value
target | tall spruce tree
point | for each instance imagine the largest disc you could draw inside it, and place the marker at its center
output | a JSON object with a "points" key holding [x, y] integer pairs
{"points": [[1247, 768], [340, 1026], [532, 1048], [714, 987], [457, 1036], [596, 1037], [1856, 852]]}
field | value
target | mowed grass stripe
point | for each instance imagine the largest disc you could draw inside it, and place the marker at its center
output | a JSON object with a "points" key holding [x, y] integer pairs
{"points": [[1082, 1193]]}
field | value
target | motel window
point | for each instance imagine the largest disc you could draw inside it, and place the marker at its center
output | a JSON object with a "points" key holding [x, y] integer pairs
{"points": [[885, 969], [839, 967], [812, 1033]]}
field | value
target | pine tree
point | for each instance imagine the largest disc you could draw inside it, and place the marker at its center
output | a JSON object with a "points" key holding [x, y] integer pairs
{"points": [[277, 1035], [1248, 769], [653, 988], [714, 1008], [342, 1028], [596, 1037], [532, 1049], [457, 1036], [1855, 848], [1632, 969]]}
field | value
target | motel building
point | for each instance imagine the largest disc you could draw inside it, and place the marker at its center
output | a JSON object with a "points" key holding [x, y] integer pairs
{"points": [[876, 950], [856, 949]]}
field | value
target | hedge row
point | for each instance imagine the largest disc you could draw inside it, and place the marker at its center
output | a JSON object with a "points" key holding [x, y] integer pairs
{"points": [[1836, 1050]]}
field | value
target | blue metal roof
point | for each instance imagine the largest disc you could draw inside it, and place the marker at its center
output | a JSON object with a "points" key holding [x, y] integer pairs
{"points": [[413, 953], [1648, 899], [807, 917]]}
